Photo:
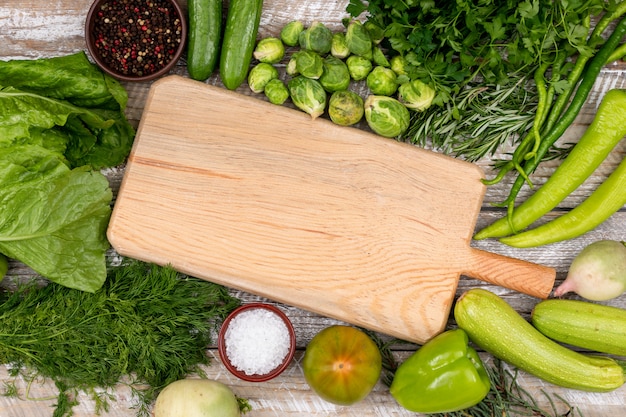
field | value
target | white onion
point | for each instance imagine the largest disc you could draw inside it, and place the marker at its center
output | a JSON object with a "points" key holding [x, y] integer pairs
{"points": [[196, 398], [598, 272]]}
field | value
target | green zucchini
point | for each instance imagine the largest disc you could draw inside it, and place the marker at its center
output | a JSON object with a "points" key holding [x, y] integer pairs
{"points": [[240, 32], [493, 325], [592, 326], [205, 35]]}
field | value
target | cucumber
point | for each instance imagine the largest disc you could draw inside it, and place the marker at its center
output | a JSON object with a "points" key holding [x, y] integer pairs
{"points": [[240, 32], [596, 327], [493, 325], [205, 35]]}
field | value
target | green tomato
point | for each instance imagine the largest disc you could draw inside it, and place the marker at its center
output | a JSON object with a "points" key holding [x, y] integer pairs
{"points": [[335, 76], [345, 108], [308, 95], [269, 50], [382, 81], [290, 33], [342, 364], [260, 75], [386, 116], [196, 398]]}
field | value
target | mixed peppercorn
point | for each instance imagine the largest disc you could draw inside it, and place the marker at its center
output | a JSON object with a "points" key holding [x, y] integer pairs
{"points": [[137, 38]]}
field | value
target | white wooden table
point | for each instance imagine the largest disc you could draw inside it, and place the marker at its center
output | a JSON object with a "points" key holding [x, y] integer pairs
{"points": [[31, 29]]}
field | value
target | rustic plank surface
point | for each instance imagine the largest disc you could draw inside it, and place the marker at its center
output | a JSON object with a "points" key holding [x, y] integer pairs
{"points": [[32, 29]]}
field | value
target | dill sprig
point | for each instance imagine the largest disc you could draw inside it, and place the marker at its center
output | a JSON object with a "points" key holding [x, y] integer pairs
{"points": [[147, 326], [478, 121]]}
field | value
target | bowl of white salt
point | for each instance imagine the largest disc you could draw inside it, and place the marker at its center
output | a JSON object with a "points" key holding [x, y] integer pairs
{"points": [[256, 342]]}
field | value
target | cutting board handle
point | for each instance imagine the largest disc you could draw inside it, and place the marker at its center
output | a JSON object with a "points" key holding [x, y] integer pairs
{"points": [[523, 276]]}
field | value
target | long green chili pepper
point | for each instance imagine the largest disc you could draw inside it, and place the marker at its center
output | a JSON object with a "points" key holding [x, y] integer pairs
{"points": [[605, 131], [578, 100], [608, 198]]}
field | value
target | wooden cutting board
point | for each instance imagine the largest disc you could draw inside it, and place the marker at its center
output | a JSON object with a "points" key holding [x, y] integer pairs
{"points": [[331, 219]]}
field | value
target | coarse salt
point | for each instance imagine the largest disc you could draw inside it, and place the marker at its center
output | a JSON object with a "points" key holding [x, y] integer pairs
{"points": [[257, 341]]}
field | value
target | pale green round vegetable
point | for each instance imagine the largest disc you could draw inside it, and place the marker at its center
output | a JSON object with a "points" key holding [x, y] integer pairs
{"points": [[276, 91], [399, 65], [290, 33], [308, 95], [270, 50], [386, 116], [345, 108], [339, 48], [292, 68], [335, 76], [382, 81], [416, 95], [377, 34], [196, 398], [357, 39], [260, 75], [317, 37], [359, 67], [308, 64], [379, 58]]}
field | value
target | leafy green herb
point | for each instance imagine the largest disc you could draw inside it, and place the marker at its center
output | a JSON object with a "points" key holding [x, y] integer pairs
{"points": [[148, 325]]}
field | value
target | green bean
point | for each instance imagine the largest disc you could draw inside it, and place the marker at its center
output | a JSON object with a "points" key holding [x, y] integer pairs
{"points": [[605, 131], [607, 199], [580, 96]]}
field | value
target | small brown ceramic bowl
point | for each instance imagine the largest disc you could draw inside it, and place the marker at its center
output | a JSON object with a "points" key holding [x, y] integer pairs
{"points": [[136, 40], [258, 338]]}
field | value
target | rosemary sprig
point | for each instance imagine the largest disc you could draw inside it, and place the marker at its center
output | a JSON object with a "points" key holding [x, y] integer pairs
{"points": [[147, 326], [478, 121]]}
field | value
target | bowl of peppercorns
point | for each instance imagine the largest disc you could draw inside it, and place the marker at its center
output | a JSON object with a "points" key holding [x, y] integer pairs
{"points": [[136, 40]]}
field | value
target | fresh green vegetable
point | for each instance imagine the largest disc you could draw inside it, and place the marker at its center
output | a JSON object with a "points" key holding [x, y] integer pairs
{"points": [[598, 272], [592, 326], [379, 58], [359, 67], [386, 115], [493, 325], [290, 33], [382, 81], [260, 75], [375, 32], [442, 376], [339, 48], [269, 50], [400, 65], [308, 95], [276, 91], [342, 364], [358, 39], [196, 398], [147, 323], [606, 130], [205, 36], [317, 38], [607, 199], [240, 32], [335, 75], [345, 108], [308, 64], [416, 95]]}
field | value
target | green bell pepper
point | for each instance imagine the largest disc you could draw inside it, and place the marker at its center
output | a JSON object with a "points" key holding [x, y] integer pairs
{"points": [[444, 375]]}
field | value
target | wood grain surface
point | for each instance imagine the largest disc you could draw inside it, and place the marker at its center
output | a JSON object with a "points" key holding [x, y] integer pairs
{"points": [[32, 29]]}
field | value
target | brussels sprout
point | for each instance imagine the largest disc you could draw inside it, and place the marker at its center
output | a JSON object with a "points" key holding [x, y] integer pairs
{"points": [[309, 63], [290, 34], [416, 95], [335, 76], [386, 115], [276, 91], [260, 75], [359, 67], [382, 81], [317, 38], [357, 39], [339, 48], [377, 34], [269, 50], [308, 95], [399, 65], [291, 68], [379, 58], [345, 107]]}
